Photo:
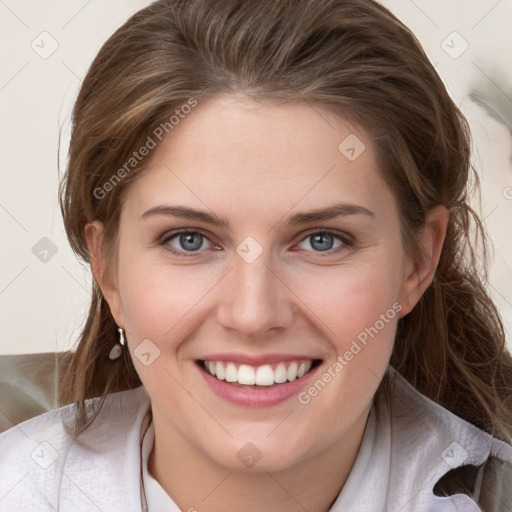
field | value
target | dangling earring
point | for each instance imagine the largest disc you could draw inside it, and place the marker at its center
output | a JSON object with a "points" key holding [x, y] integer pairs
{"points": [[117, 349]]}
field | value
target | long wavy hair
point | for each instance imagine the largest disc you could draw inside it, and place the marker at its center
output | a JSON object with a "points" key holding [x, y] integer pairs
{"points": [[350, 56]]}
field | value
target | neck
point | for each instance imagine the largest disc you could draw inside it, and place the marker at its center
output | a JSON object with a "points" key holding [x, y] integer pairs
{"points": [[195, 482]]}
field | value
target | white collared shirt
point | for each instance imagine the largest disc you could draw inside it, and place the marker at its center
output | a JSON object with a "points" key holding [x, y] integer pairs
{"points": [[408, 445]]}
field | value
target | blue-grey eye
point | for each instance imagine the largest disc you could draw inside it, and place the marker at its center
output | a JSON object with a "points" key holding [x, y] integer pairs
{"points": [[188, 241], [191, 241], [322, 241]]}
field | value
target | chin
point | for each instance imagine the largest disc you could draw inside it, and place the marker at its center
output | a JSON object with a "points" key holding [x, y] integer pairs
{"points": [[260, 455]]}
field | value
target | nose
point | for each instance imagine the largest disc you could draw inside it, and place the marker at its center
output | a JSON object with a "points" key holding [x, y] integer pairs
{"points": [[256, 302]]}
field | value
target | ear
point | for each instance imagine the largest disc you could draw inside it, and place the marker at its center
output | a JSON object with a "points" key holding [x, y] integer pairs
{"points": [[102, 272], [419, 276]]}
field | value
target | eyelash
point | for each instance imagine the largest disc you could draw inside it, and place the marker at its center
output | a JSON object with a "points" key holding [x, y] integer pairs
{"points": [[347, 240]]}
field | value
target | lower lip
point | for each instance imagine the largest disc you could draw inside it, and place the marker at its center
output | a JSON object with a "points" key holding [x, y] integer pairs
{"points": [[252, 396]]}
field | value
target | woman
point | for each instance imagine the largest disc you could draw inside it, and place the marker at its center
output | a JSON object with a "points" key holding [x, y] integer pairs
{"points": [[287, 312]]}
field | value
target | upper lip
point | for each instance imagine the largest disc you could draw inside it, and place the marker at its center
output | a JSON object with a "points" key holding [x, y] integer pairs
{"points": [[257, 360]]}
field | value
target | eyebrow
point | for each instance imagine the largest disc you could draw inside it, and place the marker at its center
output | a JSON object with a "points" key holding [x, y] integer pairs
{"points": [[331, 212]]}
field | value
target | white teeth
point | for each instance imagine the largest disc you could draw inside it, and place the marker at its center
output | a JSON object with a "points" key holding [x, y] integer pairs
{"points": [[219, 371], [246, 375], [292, 371], [231, 373], [280, 375], [263, 375]]}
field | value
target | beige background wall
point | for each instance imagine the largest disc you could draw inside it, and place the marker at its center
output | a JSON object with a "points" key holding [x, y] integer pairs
{"points": [[47, 47]]}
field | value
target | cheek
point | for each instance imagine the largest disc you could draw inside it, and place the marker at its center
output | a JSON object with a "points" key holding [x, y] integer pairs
{"points": [[160, 315], [161, 300], [349, 299], [358, 311]]}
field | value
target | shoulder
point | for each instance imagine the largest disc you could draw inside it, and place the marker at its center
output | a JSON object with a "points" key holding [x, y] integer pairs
{"points": [[41, 457], [56, 425], [448, 454]]}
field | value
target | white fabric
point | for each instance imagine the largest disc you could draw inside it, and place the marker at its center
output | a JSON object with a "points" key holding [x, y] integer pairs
{"points": [[405, 450]]}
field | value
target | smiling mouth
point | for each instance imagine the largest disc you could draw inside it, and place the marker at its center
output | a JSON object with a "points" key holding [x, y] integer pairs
{"points": [[258, 376]]}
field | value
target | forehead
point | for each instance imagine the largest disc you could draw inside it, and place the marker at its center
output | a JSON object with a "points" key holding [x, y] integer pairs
{"points": [[260, 157]]}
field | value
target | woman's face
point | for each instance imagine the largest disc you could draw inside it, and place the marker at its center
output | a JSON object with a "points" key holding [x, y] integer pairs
{"points": [[260, 242]]}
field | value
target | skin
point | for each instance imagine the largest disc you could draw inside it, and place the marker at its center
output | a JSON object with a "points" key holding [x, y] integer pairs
{"points": [[255, 165]]}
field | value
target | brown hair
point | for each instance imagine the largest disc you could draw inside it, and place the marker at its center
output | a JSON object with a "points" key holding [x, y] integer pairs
{"points": [[354, 58]]}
